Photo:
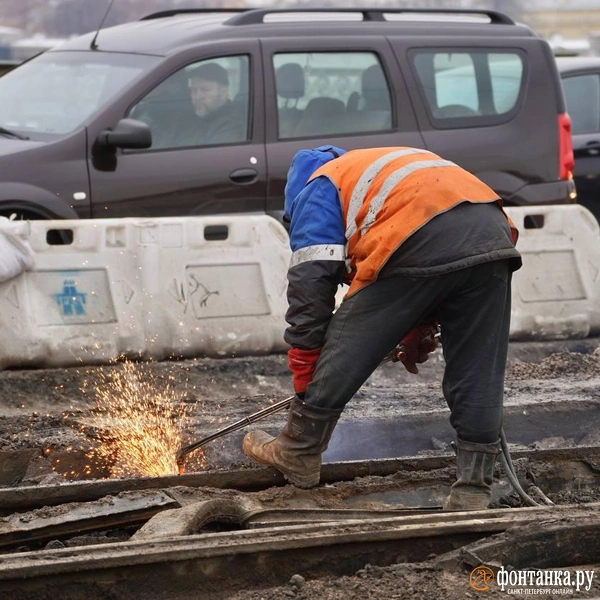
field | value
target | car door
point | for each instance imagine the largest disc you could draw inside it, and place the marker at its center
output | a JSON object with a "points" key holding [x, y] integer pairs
{"points": [[197, 164], [481, 104], [345, 91], [582, 95]]}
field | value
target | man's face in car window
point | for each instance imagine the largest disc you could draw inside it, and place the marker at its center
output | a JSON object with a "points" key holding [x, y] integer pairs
{"points": [[207, 95]]}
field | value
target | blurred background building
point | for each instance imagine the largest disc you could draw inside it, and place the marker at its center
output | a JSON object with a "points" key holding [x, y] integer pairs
{"points": [[28, 27]]}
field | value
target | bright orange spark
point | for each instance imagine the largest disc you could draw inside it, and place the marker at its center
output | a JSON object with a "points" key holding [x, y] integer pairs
{"points": [[142, 421]]}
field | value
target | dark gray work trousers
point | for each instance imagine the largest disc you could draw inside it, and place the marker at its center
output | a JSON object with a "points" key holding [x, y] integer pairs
{"points": [[473, 307]]}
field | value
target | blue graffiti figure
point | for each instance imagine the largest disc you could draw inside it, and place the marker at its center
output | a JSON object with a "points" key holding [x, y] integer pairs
{"points": [[70, 300]]}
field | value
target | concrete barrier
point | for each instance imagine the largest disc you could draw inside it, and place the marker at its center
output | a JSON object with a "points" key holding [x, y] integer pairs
{"points": [[146, 288], [216, 286], [78, 304], [556, 294]]}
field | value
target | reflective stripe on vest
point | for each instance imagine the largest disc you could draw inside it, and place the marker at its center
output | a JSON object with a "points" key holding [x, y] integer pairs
{"points": [[363, 184], [391, 182], [387, 194]]}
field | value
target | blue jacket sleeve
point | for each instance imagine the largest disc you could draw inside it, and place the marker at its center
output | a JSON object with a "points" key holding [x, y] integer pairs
{"points": [[317, 267]]}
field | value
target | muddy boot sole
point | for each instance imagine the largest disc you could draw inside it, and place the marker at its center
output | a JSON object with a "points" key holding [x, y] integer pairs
{"points": [[467, 500], [259, 440]]}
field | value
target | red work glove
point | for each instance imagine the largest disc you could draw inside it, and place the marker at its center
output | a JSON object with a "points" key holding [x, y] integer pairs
{"points": [[417, 345], [302, 364]]}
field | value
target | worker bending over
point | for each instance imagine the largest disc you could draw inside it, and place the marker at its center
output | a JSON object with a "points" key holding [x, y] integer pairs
{"points": [[420, 241]]}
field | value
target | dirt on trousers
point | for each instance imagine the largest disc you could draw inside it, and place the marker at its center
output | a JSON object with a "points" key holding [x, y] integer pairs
{"points": [[44, 410]]}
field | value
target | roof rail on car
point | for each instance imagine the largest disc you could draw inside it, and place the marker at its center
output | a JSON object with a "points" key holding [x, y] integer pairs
{"points": [[256, 16], [188, 11]]}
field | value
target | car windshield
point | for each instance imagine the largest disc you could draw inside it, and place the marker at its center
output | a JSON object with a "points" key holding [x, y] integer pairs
{"points": [[58, 91]]}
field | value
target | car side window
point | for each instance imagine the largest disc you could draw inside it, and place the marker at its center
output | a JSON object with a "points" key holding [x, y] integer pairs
{"points": [[582, 94], [331, 93], [483, 86], [206, 103]]}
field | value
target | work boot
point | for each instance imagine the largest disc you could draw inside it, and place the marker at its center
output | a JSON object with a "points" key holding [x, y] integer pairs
{"points": [[296, 451], [475, 473]]}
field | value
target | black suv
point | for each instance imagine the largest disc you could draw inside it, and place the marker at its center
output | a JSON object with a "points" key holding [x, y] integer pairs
{"points": [[190, 112]]}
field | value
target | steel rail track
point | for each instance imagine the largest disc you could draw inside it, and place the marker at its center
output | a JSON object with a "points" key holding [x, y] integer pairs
{"points": [[19, 499]]}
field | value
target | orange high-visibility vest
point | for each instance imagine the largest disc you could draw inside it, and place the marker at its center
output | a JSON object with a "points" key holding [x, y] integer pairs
{"points": [[389, 193]]}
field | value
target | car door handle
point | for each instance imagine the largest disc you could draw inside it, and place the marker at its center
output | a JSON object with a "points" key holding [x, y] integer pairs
{"points": [[244, 175], [591, 148]]}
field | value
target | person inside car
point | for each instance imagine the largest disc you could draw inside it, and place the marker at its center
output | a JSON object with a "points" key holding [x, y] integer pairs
{"points": [[218, 121], [168, 111]]}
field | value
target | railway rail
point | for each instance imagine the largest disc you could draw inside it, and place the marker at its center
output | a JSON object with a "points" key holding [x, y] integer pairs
{"points": [[208, 533]]}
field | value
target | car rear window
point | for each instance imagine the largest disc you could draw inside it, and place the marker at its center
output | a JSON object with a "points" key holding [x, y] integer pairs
{"points": [[469, 87], [582, 93]]}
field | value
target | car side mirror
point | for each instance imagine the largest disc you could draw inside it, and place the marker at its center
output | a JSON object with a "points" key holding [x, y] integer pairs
{"points": [[128, 133]]}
